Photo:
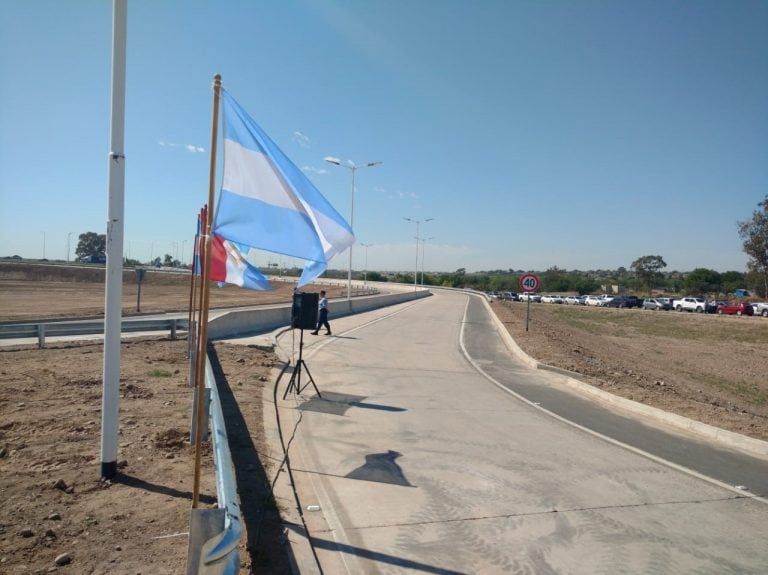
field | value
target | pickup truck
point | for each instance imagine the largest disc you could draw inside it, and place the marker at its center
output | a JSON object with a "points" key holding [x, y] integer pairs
{"points": [[696, 304], [760, 309]]}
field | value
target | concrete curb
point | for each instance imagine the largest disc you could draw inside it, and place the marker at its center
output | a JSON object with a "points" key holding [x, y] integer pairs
{"points": [[748, 445]]}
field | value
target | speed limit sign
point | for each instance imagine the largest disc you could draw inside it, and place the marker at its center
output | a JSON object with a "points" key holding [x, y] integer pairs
{"points": [[529, 282]]}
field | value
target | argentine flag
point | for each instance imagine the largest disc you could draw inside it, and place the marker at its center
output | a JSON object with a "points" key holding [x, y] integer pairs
{"points": [[267, 203], [228, 265]]}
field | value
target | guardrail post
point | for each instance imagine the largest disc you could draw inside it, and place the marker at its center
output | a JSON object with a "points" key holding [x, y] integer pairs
{"points": [[173, 328], [206, 415], [40, 336]]}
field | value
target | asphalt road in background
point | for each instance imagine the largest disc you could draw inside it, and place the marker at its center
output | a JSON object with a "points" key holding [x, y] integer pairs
{"points": [[413, 461]]}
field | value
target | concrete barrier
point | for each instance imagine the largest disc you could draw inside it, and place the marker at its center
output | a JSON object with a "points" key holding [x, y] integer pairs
{"points": [[238, 323]]}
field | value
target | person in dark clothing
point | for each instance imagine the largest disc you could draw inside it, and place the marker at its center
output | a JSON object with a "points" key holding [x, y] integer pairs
{"points": [[322, 319]]}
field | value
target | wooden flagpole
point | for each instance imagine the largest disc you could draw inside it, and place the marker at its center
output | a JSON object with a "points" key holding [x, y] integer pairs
{"points": [[202, 345], [192, 315]]}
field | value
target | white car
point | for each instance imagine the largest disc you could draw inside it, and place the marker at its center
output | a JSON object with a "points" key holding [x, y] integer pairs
{"points": [[572, 300], [594, 300], [551, 299], [760, 309]]}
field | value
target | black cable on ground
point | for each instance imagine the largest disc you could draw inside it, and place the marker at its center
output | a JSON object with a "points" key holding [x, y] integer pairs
{"points": [[287, 462]]}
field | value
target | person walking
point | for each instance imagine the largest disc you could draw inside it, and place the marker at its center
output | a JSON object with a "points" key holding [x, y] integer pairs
{"points": [[322, 319]]}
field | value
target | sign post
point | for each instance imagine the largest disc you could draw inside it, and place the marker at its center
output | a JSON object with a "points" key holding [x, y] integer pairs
{"points": [[139, 278], [529, 283]]}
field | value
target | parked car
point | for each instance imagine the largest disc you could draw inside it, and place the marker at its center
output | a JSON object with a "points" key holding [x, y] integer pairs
{"points": [[697, 304], [740, 308], [655, 304], [551, 299], [611, 302], [714, 304], [760, 309], [572, 300], [595, 300], [630, 301]]}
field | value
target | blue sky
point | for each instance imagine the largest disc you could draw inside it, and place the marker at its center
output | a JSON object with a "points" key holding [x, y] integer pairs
{"points": [[536, 133]]}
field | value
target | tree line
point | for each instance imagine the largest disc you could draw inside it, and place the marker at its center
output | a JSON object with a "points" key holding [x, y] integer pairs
{"points": [[645, 275]]}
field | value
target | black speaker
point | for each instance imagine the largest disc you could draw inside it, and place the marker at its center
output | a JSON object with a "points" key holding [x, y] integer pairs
{"points": [[304, 310]]}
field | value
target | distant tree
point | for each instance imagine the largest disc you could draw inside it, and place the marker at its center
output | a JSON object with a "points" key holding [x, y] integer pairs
{"points": [[702, 281], [91, 244], [169, 262], [648, 269], [754, 234], [731, 281], [457, 278], [584, 285], [376, 277], [555, 280]]}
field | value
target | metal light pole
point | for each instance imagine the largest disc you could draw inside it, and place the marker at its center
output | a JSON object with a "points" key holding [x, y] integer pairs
{"points": [[416, 269], [365, 271], [69, 235], [353, 168], [423, 247]]}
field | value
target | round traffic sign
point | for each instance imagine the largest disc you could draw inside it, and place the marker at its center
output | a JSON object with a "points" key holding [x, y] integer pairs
{"points": [[529, 282]]}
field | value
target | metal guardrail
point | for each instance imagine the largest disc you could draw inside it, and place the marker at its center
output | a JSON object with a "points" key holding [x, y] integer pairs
{"points": [[218, 554], [68, 328]]}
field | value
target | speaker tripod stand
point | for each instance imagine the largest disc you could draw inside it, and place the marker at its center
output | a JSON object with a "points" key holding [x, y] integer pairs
{"points": [[295, 382]]}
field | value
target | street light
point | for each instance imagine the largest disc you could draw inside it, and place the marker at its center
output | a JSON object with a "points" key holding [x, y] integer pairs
{"points": [[353, 168], [416, 269], [423, 247], [365, 270], [69, 235]]}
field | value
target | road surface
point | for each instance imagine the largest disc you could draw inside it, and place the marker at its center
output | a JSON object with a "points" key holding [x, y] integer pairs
{"points": [[419, 459]]}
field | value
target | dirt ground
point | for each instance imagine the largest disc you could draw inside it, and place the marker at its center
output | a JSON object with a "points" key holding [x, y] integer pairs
{"points": [[34, 292], [56, 508]]}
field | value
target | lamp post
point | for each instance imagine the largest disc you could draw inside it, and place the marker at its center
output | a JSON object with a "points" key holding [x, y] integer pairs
{"points": [[423, 247], [182, 252], [353, 168], [416, 269], [69, 235], [365, 270]]}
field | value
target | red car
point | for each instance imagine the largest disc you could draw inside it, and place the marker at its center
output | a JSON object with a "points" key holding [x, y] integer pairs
{"points": [[736, 309]]}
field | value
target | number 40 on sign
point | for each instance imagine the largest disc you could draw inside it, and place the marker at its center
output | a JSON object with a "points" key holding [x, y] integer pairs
{"points": [[529, 283]]}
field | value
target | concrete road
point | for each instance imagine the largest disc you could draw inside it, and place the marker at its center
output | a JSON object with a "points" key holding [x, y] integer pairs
{"points": [[414, 461]]}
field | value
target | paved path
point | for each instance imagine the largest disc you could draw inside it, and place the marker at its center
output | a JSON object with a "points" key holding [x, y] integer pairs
{"points": [[418, 463]]}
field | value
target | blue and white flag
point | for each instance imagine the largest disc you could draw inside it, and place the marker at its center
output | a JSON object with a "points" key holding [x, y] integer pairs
{"points": [[266, 202]]}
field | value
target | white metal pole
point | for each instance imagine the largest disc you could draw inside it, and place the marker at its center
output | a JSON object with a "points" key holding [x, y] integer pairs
{"points": [[110, 404], [423, 241], [416, 269], [69, 247], [351, 225]]}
